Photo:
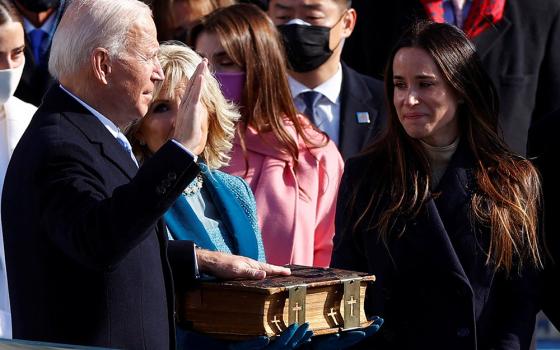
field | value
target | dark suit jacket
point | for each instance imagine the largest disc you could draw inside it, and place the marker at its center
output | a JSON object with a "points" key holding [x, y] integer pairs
{"points": [[359, 93], [544, 146], [433, 287], [36, 79], [520, 54], [86, 253]]}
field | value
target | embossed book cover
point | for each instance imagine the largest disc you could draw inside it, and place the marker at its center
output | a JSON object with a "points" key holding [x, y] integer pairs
{"points": [[331, 300]]}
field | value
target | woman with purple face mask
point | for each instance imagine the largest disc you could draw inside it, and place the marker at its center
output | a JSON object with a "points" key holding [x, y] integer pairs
{"points": [[15, 115], [293, 169]]}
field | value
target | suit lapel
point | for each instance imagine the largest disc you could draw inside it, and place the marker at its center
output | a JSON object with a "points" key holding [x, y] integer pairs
{"points": [[355, 97], [470, 241], [443, 216], [93, 130], [452, 193], [443, 254], [487, 39], [232, 215]]}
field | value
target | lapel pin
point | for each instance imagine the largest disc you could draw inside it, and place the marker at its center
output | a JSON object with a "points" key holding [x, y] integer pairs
{"points": [[362, 118]]}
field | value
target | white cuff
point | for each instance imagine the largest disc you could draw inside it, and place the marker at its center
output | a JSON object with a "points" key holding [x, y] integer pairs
{"points": [[195, 157]]}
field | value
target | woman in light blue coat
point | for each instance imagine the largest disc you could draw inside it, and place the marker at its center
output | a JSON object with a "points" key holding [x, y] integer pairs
{"points": [[216, 211]]}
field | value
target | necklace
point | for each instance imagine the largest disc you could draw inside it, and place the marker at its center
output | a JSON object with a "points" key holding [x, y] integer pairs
{"points": [[194, 186]]}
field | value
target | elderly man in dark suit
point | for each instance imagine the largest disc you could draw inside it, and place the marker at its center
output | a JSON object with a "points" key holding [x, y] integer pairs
{"points": [[518, 44], [87, 253], [346, 105]]}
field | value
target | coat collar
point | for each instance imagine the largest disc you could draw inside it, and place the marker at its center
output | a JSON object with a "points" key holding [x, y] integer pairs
{"points": [[456, 185], [231, 213], [58, 101], [488, 38], [442, 215]]}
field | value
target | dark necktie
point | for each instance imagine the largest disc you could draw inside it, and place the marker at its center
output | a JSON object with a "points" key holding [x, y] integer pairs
{"points": [[37, 36], [311, 98]]}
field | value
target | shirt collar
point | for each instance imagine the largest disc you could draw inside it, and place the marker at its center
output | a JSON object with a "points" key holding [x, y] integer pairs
{"points": [[113, 129], [47, 27], [330, 88], [466, 1]]}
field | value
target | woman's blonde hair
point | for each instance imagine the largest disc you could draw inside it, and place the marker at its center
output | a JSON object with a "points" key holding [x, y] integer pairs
{"points": [[179, 63]]}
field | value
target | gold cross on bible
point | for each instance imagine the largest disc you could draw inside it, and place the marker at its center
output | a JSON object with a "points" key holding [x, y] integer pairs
{"points": [[351, 302], [277, 322], [297, 309], [333, 315]]}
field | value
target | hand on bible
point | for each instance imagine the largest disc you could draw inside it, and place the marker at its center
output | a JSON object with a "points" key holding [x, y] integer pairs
{"points": [[346, 339], [188, 125], [228, 266], [291, 338]]}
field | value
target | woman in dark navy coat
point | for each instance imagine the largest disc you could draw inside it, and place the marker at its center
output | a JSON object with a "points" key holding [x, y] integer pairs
{"points": [[440, 210]]}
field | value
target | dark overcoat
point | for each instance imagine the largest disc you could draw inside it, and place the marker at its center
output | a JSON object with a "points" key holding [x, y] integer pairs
{"points": [[434, 288], [544, 149]]}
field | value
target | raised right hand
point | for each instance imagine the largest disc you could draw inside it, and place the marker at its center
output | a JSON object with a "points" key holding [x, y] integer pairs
{"points": [[188, 124]]}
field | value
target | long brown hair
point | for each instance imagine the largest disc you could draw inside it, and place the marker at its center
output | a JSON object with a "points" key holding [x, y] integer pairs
{"points": [[8, 13], [252, 42], [507, 197]]}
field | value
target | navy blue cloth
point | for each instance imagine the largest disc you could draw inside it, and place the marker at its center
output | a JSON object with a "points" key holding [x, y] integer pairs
{"points": [[544, 147], [434, 288], [37, 36]]}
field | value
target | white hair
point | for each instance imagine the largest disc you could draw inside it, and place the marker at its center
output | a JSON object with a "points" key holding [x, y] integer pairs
{"points": [[89, 24]]}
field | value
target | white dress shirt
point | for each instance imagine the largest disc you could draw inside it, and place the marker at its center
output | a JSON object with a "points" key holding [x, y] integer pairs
{"points": [[327, 109]]}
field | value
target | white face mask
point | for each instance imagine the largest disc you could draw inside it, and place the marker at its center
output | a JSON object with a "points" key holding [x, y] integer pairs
{"points": [[9, 80]]}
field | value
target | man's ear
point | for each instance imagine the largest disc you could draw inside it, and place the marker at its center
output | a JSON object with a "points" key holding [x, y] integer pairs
{"points": [[349, 22], [101, 64]]}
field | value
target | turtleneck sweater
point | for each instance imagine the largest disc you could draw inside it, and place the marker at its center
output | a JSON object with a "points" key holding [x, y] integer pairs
{"points": [[439, 157]]}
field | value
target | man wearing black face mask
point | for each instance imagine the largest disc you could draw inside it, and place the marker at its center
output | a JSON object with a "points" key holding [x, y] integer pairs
{"points": [[346, 105], [40, 19]]}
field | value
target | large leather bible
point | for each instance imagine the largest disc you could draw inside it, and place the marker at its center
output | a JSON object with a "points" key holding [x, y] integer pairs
{"points": [[331, 300]]}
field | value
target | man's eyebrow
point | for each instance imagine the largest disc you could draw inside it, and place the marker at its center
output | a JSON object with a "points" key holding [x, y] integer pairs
{"points": [[282, 7], [312, 6]]}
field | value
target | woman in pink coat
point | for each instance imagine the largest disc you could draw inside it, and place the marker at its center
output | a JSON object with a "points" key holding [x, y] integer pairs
{"points": [[293, 169]]}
